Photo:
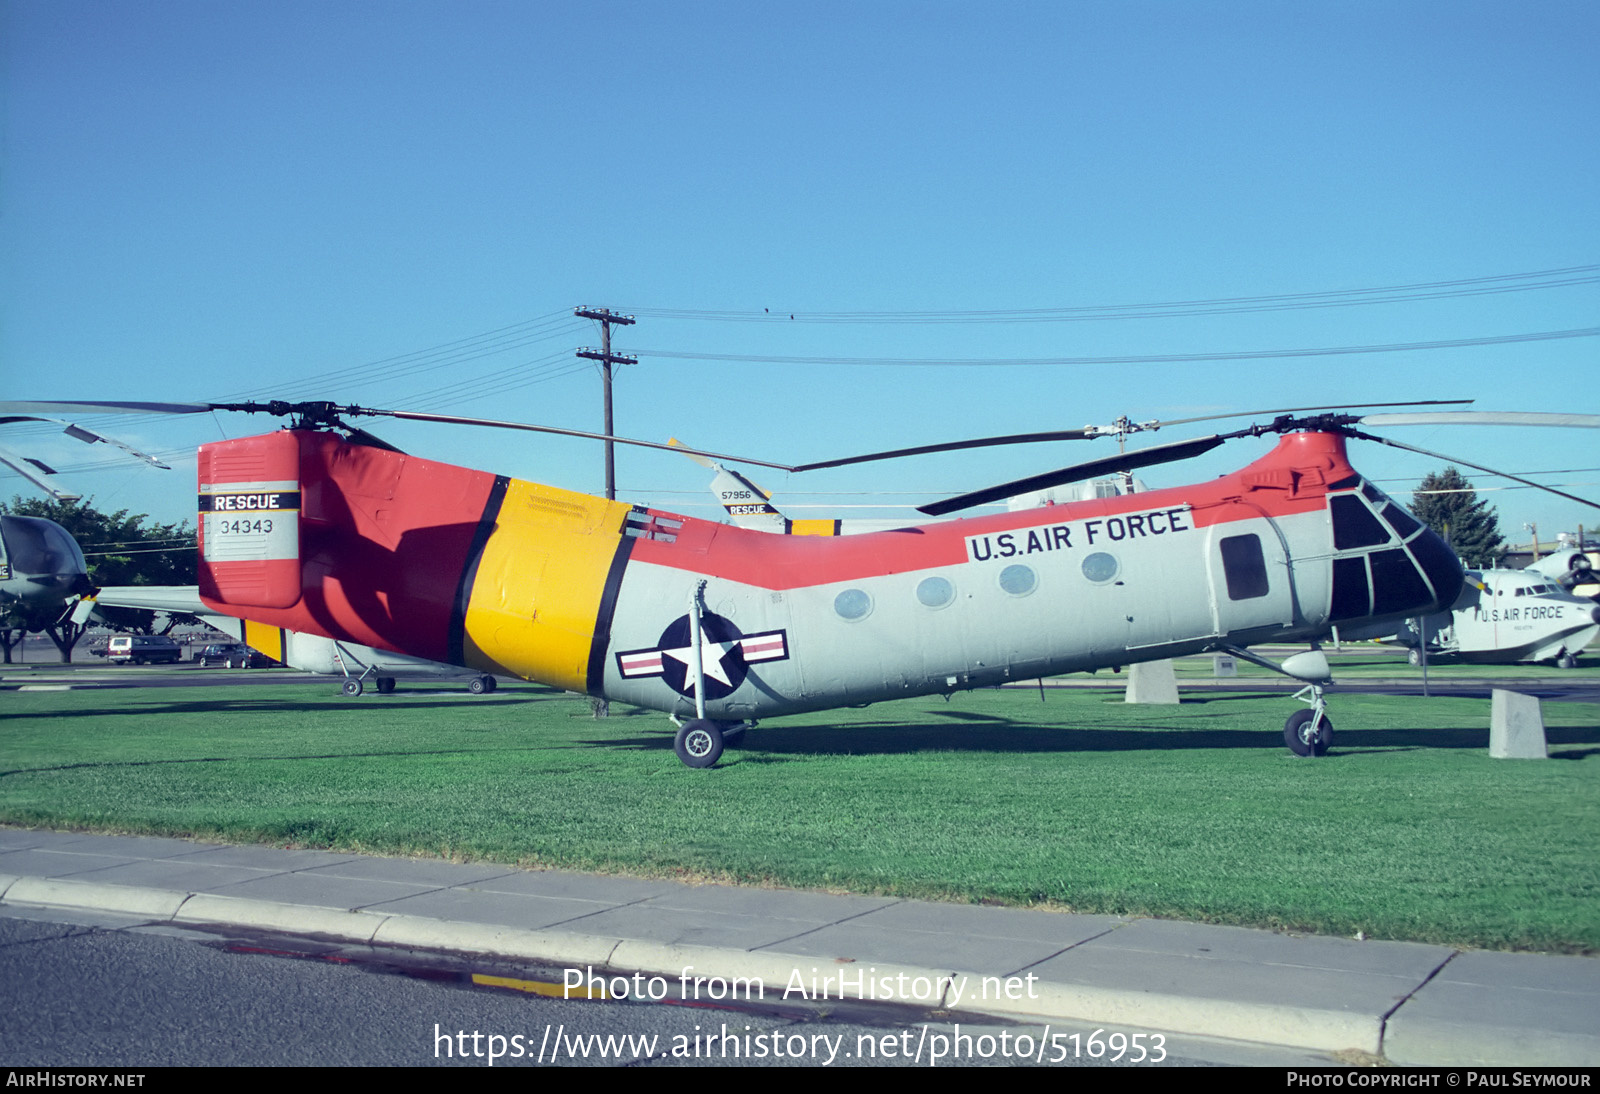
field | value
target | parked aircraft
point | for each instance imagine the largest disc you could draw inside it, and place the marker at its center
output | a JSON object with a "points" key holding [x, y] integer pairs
{"points": [[320, 528], [1503, 617], [40, 563]]}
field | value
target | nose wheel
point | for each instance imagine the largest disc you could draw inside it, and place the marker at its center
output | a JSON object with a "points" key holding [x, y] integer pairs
{"points": [[1309, 732]]}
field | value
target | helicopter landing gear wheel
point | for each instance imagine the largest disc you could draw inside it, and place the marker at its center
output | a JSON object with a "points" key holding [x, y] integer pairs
{"points": [[385, 685], [1308, 733], [352, 687], [699, 743]]}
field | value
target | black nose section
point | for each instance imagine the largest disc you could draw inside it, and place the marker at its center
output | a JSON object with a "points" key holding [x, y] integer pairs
{"points": [[1440, 566]]}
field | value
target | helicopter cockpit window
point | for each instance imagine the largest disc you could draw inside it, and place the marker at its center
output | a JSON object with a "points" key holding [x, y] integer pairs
{"points": [[1352, 597], [1354, 525], [1400, 520], [38, 546], [1244, 566], [1396, 583]]}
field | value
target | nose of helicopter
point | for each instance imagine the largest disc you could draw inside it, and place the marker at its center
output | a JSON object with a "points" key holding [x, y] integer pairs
{"points": [[1440, 566]]}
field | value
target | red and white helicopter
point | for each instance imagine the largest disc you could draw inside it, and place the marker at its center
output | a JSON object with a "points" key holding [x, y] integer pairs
{"points": [[321, 528]]}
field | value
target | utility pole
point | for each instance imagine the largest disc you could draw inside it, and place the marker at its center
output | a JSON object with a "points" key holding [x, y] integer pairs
{"points": [[605, 317]]}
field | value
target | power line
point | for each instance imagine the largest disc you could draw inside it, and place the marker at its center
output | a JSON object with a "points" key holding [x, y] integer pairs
{"points": [[1128, 359], [1334, 298]]}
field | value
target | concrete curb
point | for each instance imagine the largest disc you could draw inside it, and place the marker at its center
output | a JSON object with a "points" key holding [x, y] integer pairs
{"points": [[1292, 1026], [271, 915], [95, 897]]}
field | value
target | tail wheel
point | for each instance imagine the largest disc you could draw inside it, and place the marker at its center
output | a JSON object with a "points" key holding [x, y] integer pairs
{"points": [[699, 743], [1306, 734]]}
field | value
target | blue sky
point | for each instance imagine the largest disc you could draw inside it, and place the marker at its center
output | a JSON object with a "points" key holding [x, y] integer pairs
{"points": [[212, 200]]}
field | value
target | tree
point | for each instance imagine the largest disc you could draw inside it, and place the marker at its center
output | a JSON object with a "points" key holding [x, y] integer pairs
{"points": [[1447, 503], [120, 550]]}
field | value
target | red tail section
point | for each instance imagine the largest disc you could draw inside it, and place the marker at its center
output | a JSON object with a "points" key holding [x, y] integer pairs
{"points": [[249, 503], [304, 530]]}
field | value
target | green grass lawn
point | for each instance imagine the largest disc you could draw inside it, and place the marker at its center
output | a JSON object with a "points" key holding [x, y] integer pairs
{"points": [[1406, 830]]}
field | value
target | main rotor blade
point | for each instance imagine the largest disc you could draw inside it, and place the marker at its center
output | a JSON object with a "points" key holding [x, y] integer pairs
{"points": [[18, 464], [450, 419], [1090, 432], [107, 408], [1478, 467], [953, 446], [1483, 417], [1125, 461], [1305, 409]]}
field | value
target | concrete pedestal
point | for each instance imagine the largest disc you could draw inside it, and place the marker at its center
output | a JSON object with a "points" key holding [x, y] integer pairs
{"points": [[1516, 727], [1152, 682]]}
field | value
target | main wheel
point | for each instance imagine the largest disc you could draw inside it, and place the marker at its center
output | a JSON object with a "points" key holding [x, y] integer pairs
{"points": [[1415, 657], [698, 743], [477, 686], [1568, 661], [385, 685], [490, 683], [352, 687], [1307, 735]]}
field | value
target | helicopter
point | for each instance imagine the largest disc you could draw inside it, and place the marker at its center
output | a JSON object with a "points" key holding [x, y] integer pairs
{"points": [[41, 565], [324, 529]]}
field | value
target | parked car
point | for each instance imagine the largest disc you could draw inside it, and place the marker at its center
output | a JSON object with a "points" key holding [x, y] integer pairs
{"points": [[143, 649], [234, 655]]}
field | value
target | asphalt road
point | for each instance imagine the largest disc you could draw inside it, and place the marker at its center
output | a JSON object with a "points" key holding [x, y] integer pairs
{"points": [[122, 995]]}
